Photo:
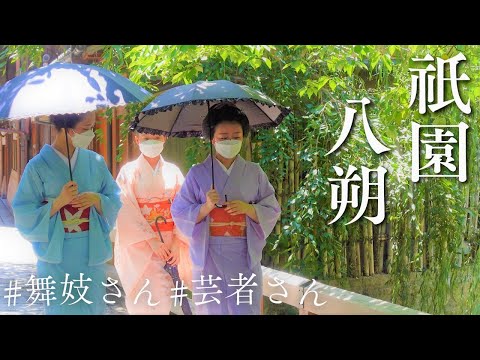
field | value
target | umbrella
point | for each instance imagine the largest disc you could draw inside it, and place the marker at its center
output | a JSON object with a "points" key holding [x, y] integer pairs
{"points": [[180, 111], [172, 270], [63, 88]]}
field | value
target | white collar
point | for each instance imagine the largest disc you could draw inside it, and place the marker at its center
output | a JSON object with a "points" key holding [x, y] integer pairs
{"points": [[158, 168], [229, 170], [73, 159]]}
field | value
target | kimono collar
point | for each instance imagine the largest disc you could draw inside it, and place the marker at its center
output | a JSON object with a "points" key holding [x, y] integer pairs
{"points": [[229, 170], [144, 162]]}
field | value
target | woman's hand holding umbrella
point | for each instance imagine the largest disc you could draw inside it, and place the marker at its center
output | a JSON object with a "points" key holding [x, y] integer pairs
{"points": [[212, 198], [68, 193], [174, 257], [160, 249]]}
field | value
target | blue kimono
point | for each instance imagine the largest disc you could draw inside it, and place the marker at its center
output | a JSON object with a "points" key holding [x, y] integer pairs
{"points": [[64, 254], [222, 246]]}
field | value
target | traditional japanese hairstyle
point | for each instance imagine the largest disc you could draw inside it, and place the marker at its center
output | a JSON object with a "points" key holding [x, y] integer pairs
{"points": [[65, 120], [224, 112]]}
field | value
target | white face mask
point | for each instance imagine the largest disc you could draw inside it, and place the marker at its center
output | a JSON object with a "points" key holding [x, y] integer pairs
{"points": [[228, 148], [151, 148], [84, 139]]}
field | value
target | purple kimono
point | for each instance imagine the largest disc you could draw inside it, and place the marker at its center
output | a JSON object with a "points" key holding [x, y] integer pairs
{"points": [[226, 257]]}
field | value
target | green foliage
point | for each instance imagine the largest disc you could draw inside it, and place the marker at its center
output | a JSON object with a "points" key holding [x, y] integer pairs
{"points": [[316, 82], [433, 223], [29, 56]]}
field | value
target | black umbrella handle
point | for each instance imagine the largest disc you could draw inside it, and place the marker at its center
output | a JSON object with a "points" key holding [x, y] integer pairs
{"points": [[211, 149], [158, 229], [211, 145], [172, 270], [68, 152]]}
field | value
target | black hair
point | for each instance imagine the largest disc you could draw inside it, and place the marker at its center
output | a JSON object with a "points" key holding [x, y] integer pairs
{"points": [[224, 112], [70, 120]]}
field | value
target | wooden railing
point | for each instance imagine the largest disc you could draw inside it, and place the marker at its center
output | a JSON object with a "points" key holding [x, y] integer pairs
{"points": [[329, 301]]}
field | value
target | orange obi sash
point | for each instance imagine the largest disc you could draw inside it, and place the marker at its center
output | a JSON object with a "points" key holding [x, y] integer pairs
{"points": [[224, 224], [152, 209], [75, 220]]}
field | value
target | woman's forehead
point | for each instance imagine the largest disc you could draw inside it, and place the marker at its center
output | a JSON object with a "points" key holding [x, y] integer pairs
{"points": [[229, 127], [150, 136]]}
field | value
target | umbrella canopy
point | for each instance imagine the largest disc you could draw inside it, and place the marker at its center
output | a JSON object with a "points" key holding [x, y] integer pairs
{"points": [[63, 88], [180, 111]]}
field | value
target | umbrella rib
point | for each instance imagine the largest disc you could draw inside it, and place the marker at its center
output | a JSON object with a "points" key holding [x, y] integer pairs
{"points": [[176, 119], [268, 117]]}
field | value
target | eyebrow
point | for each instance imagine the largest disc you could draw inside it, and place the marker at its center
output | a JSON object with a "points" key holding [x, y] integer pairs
{"points": [[226, 133]]}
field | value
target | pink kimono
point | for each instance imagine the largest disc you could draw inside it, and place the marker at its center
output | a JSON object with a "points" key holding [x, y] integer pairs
{"points": [[146, 194]]}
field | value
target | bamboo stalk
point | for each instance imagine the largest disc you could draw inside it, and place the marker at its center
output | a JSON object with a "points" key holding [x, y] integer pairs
{"points": [[370, 248], [279, 199], [338, 264], [406, 236], [248, 149], [286, 185], [297, 170], [422, 256], [428, 243], [414, 239], [375, 248], [382, 243], [291, 181], [351, 258], [365, 250], [325, 263], [389, 252], [358, 259], [331, 260]]}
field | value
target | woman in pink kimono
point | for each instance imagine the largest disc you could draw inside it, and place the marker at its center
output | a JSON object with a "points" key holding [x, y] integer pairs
{"points": [[226, 243], [149, 185]]}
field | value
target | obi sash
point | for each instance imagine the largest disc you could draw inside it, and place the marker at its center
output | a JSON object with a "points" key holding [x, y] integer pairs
{"points": [[151, 209], [75, 220], [225, 224]]}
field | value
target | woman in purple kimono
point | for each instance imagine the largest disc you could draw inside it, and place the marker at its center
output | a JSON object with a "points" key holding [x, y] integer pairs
{"points": [[226, 243]]}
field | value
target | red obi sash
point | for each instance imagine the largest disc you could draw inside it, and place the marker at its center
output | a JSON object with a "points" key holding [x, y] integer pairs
{"points": [[75, 220], [151, 209], [224, 224]]}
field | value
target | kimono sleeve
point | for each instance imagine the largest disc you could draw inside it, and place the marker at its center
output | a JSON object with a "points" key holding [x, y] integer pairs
{"points": [[186, 206], [268, 211], [180, 179], [109, 197], [32, 212], [132, 228], [32, 217]]}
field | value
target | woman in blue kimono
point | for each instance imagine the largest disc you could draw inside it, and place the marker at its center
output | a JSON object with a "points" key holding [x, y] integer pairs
{"points": [[68, 222], [226, 243]]}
